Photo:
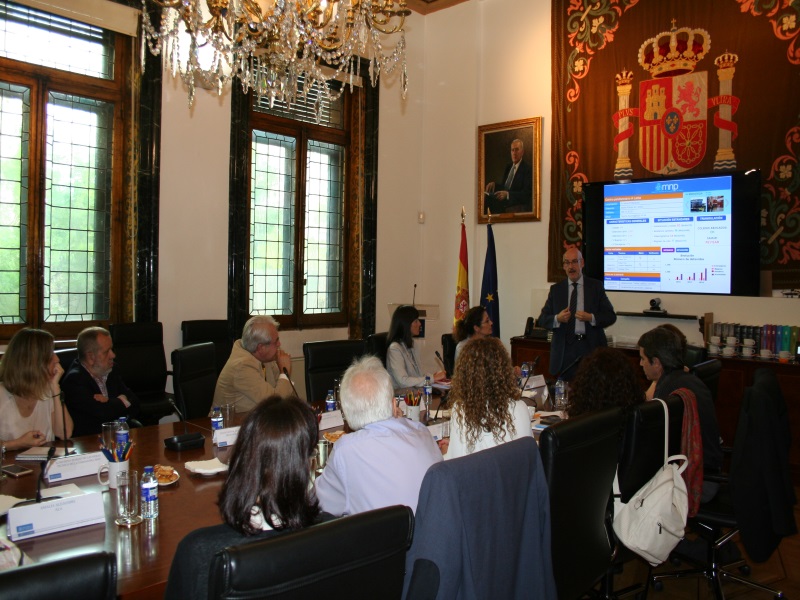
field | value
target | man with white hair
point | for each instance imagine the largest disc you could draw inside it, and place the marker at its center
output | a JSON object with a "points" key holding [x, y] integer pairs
{"points": [[256, 367], [382, 462]]}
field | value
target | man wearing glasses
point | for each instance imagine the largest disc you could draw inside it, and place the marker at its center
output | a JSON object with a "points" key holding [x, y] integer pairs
{"points": [[577, 310], [257, 368]]}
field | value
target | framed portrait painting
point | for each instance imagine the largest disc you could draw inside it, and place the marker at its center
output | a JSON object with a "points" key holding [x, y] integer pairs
{"points": [[509, 171]]}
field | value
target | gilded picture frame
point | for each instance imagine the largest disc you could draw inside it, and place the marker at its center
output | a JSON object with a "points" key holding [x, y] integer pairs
{"points": [[510, 198]]}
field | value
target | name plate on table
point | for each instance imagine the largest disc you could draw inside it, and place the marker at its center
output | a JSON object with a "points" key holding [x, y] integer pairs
{"points": [[74, 465], [331, 419], [225, 437], [58, 514]]}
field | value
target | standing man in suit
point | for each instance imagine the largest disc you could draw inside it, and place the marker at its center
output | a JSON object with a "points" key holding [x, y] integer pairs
{"points": [[577, 310], [515, 192]]}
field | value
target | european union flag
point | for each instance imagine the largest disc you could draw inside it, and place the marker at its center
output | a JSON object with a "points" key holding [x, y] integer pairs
{"points": [[489, 298]]}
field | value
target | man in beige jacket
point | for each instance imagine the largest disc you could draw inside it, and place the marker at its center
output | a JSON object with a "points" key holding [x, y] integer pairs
{"points": [[257, 367]]}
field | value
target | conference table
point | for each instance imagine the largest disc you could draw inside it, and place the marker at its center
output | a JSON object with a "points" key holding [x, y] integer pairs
{"points": [[144, 552]]}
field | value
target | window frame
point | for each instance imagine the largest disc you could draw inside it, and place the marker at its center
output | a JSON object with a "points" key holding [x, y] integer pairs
{"points": [[42, 81], [303, 132]]}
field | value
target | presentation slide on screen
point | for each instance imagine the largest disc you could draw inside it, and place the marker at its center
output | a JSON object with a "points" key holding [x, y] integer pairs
{"points": [[671, 236]]}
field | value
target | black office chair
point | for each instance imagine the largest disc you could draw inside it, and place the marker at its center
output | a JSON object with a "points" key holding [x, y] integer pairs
{"points": [[757, 497], [483, 528], [694, 355], [194, 377], [209, 330], [708, 372], [327, 361], [66, 356], [580, 459], [360, 557], [448, 353], [141, 363], [377, 344], [85, 576], [641, 455]]}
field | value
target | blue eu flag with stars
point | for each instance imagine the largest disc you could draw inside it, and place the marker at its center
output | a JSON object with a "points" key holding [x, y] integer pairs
{"points": [[489, 298]]}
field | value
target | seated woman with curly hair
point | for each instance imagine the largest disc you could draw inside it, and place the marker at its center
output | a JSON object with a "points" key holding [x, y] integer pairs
{"points": [[604, 378], [486, 410]]}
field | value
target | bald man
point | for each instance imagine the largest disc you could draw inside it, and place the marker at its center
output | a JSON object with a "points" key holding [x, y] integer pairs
{"points": [[577, 331]]}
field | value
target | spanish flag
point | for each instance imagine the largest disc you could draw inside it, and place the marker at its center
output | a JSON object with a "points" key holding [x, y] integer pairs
{"points": [[462, 281]]}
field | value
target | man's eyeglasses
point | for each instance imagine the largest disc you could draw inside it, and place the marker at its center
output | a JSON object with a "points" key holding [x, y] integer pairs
{"points": [[574, 261]]}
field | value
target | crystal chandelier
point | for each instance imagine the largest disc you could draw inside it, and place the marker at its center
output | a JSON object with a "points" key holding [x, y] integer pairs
{"points": [[280, 49]]}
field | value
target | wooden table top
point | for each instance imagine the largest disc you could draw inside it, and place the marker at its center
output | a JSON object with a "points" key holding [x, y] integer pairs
{"points": [[144, 552]]}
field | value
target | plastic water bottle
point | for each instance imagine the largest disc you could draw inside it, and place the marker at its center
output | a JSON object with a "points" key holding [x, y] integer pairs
{"points": [[330, 402], [425, 401], [149, 494], [525, 370], [216, 418], [123, 431], [561, 395], [337, 389]]}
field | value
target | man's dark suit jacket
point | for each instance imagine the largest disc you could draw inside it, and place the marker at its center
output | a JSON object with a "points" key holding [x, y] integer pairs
{"points": [[520, 194], [595, 301], [88, 414]]}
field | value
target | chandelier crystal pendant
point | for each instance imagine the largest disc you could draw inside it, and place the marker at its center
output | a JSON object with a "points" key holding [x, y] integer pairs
{"points": [[279, 49]]}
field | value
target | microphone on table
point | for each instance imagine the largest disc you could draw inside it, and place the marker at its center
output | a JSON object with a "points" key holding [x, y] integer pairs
{"points": [[64, 421], [568, 367], [414, 296], [50, 454], [187, 441], [40, 480], [294, 389], [441, 360]]}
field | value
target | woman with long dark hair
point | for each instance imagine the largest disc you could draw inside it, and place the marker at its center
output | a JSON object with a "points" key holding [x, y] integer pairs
{"points": [[30, 394], [268, 491], [402, 360], [476, 324]]}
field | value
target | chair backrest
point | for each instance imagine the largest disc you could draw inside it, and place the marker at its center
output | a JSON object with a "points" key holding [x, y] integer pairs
{"points": [[140, 357], [66, 356], [708, 372], [483, 527], [377, 344], [580, 459], [194, 377], [327, 361], [84, 576], [642, 451], [360, 556], [675, 407], [448, 353], [694, 355], [209, 330]]}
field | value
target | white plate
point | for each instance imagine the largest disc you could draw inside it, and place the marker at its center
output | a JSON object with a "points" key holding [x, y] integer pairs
{"points": [[206, 467], [171, 482]]}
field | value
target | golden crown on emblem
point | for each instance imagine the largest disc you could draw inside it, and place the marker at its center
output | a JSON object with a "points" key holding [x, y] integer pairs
{"points": [[674, 52]]}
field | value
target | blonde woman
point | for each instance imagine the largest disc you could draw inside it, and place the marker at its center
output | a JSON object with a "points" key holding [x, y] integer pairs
{"points": [[30, 395]]}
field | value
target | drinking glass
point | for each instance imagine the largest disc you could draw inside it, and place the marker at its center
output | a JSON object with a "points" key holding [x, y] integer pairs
{"points": [[110, 435], [128, 498]]}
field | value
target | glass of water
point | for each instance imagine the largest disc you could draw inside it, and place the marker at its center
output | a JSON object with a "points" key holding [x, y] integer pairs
{"points": [[128, 499]]}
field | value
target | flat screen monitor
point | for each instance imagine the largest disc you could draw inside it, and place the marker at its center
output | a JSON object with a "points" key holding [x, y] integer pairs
{"points": [[697, 234]]}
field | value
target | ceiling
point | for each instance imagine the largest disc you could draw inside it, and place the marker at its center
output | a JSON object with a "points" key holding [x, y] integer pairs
{"points": [[425, 7]]}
